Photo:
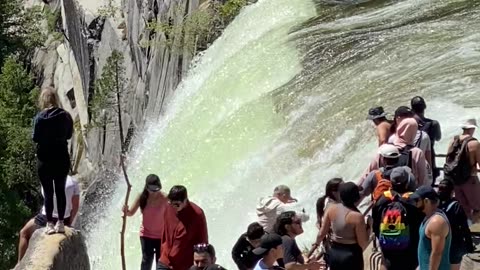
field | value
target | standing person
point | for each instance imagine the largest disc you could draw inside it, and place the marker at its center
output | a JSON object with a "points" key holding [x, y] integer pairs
{"points": [[53, 127], [242, 252], [349, 231], [289, 226], [435, 234], [192, 217], [374, 182], [271, 207], [461, 166], [461, 238], [204, 258], [270, 250], [431, 127], [150, 202], [382, 125], [396, 222], [332, 196], [72, 191], [175, 250], [411, 156]]}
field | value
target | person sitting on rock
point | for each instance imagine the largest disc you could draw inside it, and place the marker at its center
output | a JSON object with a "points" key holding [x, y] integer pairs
{"points": [[72, 191]]}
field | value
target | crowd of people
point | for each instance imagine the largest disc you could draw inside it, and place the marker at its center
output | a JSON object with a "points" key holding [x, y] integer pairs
{"points": [[415, 221]]}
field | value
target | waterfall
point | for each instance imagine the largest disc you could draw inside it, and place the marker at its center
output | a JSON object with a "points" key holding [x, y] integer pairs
{"points": [[281, 98]]}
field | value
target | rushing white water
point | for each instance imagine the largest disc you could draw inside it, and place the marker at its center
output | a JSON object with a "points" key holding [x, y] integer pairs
{"points": [[281, 98]]}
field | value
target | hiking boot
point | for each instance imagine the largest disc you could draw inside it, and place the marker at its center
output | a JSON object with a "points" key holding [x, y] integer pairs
{"points": [[60, 227], [50, 228]]}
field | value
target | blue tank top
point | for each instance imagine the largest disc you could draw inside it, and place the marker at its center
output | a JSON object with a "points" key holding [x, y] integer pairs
{"points": [[425, 247]]}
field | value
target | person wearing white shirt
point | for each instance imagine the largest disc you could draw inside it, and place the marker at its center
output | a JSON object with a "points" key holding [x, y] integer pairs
{"points": [[72, 191]]}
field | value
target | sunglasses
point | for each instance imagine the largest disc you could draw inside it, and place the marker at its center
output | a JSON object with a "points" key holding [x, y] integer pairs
{"points": [[299, 222], [175, 204], [200, 248]]}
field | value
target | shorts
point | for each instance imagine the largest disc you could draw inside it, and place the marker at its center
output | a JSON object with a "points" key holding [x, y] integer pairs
{"points": [[41, 220], [344, 256], [467, 195], [456, 253]]}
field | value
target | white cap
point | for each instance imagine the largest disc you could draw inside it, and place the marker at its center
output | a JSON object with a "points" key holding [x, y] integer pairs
{"points": [[388, 151], [469, 124]]}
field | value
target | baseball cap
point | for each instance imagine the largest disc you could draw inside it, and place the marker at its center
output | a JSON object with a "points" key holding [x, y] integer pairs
{"points": [[153, 183], [425, 192], [403, 111], [375, 113], [268, 242], [399, 176], [469, 124], [388, 151]]}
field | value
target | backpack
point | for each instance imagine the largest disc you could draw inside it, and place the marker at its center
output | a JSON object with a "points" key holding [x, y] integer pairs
{"points": [[457, 166], [406, 157], [383, 184], [394, 233]]}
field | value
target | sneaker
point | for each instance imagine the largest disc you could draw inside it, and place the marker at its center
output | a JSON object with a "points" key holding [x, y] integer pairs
{"points": [[60, 227], [50, 228]]}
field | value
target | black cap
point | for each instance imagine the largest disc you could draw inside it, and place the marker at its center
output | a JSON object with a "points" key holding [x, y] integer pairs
{"points": [[153, 183], [268, 242], [418, 103], [403, 111], [375, 113], [425, 192]]}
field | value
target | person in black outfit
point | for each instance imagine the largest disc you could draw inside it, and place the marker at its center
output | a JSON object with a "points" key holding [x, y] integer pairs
{"points": [[53, 127], [242, 252], [289, 226], [402, 259], [431, 127], [461, 238]]}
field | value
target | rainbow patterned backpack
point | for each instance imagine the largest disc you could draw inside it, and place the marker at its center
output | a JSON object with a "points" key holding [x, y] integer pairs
{"points": [[394, 229]]}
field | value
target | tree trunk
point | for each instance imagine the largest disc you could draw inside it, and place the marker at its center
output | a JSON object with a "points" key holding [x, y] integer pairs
{"points": [[122, 163]]}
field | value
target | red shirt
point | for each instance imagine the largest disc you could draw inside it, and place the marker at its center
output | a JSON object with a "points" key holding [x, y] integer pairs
{"points": [[195, 223], [174, 251]]}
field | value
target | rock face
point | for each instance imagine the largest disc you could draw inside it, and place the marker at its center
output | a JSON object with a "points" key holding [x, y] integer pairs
{"points": [[72, 66], [56, 252]]}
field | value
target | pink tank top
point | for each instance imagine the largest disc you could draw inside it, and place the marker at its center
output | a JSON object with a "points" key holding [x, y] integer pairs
{"points": [[152, 222]]}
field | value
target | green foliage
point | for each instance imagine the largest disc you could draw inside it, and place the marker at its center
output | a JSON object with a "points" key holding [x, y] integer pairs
{"points": [[20, 30], [231, 9], [109, 9], [104, 103], [19, 196], [195, 31]]}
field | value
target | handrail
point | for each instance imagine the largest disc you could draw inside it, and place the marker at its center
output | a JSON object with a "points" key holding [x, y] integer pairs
{"points": [[312, 250]]}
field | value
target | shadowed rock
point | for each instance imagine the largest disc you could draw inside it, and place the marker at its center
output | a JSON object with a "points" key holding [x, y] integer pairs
{"points": [[56, 252]]}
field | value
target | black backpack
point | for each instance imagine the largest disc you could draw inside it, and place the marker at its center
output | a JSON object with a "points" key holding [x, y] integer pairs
{"points": [[406, 157], [457, 166]]}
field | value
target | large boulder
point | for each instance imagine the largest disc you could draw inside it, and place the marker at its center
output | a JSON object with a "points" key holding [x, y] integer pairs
{"points": [[56, 252]]}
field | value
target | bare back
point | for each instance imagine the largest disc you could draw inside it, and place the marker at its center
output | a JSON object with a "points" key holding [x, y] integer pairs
{"points": [[473, 149]]}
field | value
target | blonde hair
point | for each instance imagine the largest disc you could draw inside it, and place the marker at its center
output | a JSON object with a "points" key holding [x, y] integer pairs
{"points": [[48, 98]]}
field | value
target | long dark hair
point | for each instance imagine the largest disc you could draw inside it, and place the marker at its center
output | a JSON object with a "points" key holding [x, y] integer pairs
{"points": [[350, 195], [330, 188], [144, 196]]}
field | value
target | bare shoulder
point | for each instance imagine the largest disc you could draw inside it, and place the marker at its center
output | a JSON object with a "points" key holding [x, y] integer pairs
{"points": [[437, 225], [473, 145]]}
